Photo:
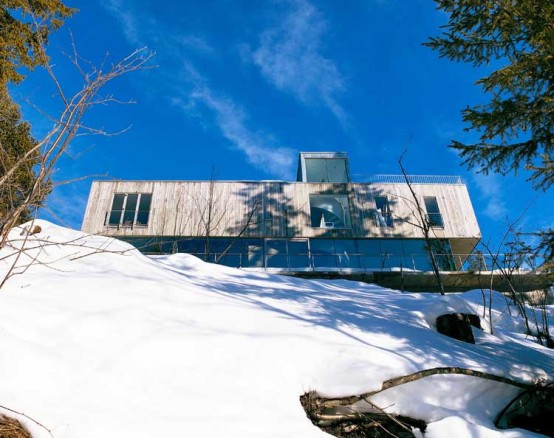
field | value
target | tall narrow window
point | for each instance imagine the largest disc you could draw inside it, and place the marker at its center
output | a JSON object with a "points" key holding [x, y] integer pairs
{"points": [[433, 213], [129, 209], [117, 209], [383, 214], [143, 211], [329, 211]]}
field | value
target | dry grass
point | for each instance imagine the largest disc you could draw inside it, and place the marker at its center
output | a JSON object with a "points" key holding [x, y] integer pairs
{"points": [[11, 428]]}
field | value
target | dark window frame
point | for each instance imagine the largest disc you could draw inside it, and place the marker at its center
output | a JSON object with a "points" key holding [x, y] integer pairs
{"points": [[433, 213], [129, 210], [383, 219], [344, 202]]}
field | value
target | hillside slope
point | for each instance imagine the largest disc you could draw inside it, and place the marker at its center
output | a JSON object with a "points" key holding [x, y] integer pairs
{"points": [[101, 341]]}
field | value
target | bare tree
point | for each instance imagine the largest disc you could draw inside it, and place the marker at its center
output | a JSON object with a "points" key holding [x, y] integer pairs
{"points": [[205, 216], [520, 254], [423, 222], [66, 125]]}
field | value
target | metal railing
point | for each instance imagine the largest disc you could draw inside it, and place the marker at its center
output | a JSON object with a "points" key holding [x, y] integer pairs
{"points": [[413, 179], [370, 262], [259, 256]]}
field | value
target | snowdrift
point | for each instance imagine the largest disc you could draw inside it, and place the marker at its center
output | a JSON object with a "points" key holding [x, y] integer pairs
{"points": [[101, 341]]}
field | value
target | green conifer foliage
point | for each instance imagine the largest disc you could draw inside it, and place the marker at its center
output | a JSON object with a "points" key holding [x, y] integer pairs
{"points": [[24, 29], [516, 126], [15, 141]]}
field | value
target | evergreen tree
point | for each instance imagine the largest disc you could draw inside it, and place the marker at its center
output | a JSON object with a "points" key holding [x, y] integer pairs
{"points": [[24, 29], [516, 126], [15, 140]]}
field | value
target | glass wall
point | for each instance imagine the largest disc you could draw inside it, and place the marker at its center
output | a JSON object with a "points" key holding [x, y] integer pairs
{"points": [[308, 254]]}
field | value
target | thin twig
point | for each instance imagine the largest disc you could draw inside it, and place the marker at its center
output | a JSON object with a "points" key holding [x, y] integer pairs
{"points": [[28, 418]]}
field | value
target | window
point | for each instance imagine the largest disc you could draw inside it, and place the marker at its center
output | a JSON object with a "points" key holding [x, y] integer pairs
{"points": [[323, 253], [329, 211], [334, 170], [433, 213], [347, 253], [383, 214], [298, 253], [443, 254], [130, 209], [276, 253]]}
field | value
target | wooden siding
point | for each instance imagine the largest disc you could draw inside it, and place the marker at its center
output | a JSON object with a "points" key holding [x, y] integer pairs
{"points": [[276, 209]]}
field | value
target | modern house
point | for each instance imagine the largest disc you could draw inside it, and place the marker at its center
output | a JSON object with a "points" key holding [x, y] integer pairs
{"points": [[323, 222]]}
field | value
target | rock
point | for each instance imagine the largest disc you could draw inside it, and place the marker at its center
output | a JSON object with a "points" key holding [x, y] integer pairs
{"points": [[458, 326], [532, 410], [36, 229]]}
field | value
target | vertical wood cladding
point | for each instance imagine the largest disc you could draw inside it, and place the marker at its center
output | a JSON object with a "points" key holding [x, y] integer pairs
{"points": [[276, 209]]}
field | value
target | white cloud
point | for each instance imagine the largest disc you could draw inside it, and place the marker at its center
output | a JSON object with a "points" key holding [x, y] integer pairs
{"points": [[491, 191], [289, 57], [142, 29], [191, 91], [260, 149], [196, 44], [127, 18]]}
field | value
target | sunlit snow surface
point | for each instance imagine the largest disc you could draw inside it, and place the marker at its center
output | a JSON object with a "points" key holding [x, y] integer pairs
{"points": [[101, 341]]}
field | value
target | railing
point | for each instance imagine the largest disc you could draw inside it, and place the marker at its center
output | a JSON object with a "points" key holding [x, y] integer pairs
{"points": [[300, 256], [370, 263], [413, 179], [508, 262]]}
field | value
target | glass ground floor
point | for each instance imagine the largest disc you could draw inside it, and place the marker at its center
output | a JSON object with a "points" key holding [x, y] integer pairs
{"points": [[308, 254]]}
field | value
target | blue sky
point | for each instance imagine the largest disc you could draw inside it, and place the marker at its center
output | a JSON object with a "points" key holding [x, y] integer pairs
{"points": [[242, 86]]}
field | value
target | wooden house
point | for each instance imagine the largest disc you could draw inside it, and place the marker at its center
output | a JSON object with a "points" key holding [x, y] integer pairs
{"points": [[321, 222]]}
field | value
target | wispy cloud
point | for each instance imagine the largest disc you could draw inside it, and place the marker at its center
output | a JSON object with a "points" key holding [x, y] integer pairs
{"points": [[289, 56], [144, 30], [196, 44], [260, 149], [191, 90], [128, 20], [491, 191]]}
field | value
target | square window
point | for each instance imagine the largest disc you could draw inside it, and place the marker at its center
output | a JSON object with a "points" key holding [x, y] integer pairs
{"points": [[329, 211]]}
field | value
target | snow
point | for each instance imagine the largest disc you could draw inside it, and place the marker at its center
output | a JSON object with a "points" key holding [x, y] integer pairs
{"points": [[100, 340]]}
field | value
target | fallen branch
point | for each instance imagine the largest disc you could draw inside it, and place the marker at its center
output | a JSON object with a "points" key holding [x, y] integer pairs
{"points": [[349, 422], [391, 383], [338, 417]]}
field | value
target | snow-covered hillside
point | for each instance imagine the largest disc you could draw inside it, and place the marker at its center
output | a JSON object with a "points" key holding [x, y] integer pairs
{"points": [[98, 340]]}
